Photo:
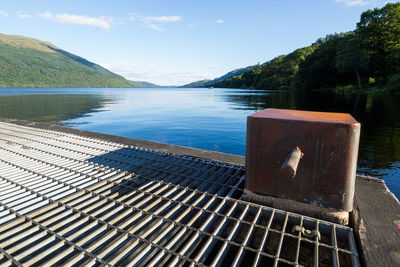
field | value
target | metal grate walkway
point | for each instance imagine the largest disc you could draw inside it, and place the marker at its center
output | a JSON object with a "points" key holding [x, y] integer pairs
{"points": [[72, 200]]}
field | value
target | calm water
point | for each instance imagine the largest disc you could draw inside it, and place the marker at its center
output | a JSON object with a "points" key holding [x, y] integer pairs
{"points": [[212, 119]]}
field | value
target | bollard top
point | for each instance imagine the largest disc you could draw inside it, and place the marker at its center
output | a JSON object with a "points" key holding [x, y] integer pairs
{"points": [[300, 115]]}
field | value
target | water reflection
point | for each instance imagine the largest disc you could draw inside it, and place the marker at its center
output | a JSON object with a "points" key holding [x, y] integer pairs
{"points": [[50, 108]]}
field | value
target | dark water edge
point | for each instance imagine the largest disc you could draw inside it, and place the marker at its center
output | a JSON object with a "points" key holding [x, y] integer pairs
{"points": [[210, 119]]}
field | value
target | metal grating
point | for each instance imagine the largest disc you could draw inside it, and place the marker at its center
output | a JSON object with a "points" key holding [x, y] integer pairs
{"points": [[72, 200]]}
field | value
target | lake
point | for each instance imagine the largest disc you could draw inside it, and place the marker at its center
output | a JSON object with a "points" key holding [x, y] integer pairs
{"points": [[212, 119]]}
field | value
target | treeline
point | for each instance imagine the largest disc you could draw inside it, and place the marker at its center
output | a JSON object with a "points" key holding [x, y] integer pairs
{"points": [[367, 57], [27, 67]]}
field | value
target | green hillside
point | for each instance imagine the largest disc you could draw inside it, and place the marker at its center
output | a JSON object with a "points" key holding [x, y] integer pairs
{"points": [[197, 84], [143, 84], [366, 58], [278, 73], [27, 62], [206, 83]]}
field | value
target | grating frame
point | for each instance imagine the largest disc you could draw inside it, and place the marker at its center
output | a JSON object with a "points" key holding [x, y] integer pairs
{"points": [[72, 200]]}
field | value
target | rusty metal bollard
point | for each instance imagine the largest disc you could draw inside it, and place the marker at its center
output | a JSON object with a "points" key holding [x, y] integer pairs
{"points": [[325, 177]]}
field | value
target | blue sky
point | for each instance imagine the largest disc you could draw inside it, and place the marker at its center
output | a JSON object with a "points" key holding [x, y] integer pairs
{"points": [[174, 42]]}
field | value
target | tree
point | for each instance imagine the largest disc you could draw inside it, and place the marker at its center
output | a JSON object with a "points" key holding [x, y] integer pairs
{"points": [[318, 69], [379, 30], [351, 57]]}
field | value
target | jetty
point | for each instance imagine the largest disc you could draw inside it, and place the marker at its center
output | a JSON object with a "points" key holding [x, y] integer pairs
{"points": [[73, 197]]}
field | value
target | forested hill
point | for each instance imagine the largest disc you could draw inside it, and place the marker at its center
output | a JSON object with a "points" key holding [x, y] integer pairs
{"points": [[144, 84], [28, 62], [205, 83], [368, 57]]}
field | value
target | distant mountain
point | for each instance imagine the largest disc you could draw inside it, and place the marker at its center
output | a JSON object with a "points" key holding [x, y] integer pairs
{"points": [[196, 84], [28, 62], [144, 84], [206, 83]]}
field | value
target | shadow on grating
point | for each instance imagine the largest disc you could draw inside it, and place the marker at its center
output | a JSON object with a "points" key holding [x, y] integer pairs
{"points": [[195, 173]]}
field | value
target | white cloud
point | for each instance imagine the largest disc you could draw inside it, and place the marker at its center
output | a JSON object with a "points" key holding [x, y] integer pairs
{"points": [[46, 15], [3, 13], [140, 73], [155, 23], [348, 3], [164, 18], [21, 14], [24, 16], [100, 22], [219, 21], [156, 27]]}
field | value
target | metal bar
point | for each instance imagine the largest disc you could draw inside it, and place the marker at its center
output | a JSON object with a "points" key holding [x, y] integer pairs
{"points": [[278, 252], [299, 243], [316, 247], [227, 242], [239, 255], [264, 239], [335, 254], [160, 222], [202, 254], [352, 245], [54, 234], [9, 257]]}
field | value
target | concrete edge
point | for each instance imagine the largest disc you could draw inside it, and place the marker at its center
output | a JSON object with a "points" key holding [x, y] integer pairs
{"points": [[166, 148], [377, 180], [376, 222]]}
